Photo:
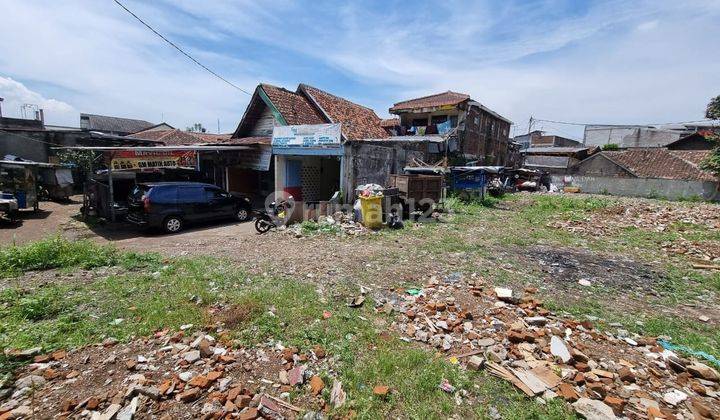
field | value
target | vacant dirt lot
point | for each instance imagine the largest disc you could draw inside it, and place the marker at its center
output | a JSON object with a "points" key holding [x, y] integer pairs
{"points": [[615, 278]]}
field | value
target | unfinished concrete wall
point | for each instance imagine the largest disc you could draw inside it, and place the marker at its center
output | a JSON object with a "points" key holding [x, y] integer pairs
{"points": [[36, 145], [629, 137], [642, 187], [371, 164]]}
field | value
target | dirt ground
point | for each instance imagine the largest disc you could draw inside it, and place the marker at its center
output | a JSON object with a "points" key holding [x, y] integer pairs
{"points": [[580, 261], [64, 218]]}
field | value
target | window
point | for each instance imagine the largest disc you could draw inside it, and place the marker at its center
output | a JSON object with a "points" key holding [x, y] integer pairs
{"points": [[138, 192], [190, 195], [164, 195], [453, 121], [439, 119], [213, 194]]}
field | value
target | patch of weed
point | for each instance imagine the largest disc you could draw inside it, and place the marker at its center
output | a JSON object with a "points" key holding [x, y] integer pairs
{"points": [[55, 252], [308, 227]]}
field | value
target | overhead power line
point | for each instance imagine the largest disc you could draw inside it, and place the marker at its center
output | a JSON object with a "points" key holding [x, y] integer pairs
{"points": [[181, 50]]}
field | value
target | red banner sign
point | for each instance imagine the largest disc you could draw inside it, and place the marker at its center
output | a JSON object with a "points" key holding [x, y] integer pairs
{"points": [[132, 159]]}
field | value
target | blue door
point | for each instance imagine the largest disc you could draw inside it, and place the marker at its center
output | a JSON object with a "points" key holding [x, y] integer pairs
{"points": [[293, 178]]}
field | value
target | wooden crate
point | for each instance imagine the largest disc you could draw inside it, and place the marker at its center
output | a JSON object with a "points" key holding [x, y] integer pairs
{"points": [[418, 187]]}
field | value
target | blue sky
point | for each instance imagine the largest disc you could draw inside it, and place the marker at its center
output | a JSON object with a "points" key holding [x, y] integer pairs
{"points": [[587, 61]]}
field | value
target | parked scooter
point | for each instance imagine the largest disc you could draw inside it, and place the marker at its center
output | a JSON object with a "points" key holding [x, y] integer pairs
{"points": [[264, 220]]}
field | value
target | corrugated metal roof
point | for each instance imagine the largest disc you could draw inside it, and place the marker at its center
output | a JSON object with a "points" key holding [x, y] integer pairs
{"points": [[114, 124]]}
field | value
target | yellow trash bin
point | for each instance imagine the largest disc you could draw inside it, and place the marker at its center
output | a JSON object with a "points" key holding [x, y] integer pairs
{"points": [[371, 208]]}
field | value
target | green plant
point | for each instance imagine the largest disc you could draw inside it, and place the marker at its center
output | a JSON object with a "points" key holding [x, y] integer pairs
{"points": [[58, 252], [611, 146], [309, 227], [84, 159]]}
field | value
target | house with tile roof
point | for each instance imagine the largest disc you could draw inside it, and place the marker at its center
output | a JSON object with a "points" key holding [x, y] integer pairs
{"points": [[649, 172], [481, 133], [176, 137], [364, 151]]}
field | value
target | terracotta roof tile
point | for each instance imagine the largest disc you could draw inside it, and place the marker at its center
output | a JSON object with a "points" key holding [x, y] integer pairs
{"points": [[293, 106], [250, 140], [662, 163], [438, 99], [358, 122], [390, 122], [177, 137]]}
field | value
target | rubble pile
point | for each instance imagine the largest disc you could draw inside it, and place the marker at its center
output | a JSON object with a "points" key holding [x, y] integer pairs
{"points": [[168, 376], [338, 222], [655, 218], [603, 375]]}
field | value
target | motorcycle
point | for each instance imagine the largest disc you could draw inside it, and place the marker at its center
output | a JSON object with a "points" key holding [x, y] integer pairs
{"points": [[264, 220]]}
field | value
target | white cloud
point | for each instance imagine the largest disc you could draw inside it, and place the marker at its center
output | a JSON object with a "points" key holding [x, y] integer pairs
{"points": [[104, 62], [613, 61], [16, 94]]}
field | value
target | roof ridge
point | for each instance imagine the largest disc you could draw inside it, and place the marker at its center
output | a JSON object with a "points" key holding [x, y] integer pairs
{"points": [[111, 116], [278, 87], [430, 96], [335, 96]]}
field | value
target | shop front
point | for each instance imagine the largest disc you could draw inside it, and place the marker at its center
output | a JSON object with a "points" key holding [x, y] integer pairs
{"points": [[308, 163]]}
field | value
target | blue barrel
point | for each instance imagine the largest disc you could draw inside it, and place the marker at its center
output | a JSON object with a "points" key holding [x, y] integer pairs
{"points": [[21, 199]]}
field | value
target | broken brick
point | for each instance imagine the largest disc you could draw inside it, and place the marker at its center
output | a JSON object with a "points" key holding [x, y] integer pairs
{"points": [[190, 395], [316, 385], [568, 392], [381, 390], [617, 404], [199, 381]]}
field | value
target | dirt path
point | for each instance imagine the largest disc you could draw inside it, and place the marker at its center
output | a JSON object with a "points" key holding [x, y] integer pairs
{"points": [[31, 226]]}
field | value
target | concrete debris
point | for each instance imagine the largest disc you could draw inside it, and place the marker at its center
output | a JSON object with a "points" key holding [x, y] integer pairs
{"points": [[604, 374], [337, 395], [181, 375], [654, 218], [674, 397], [593, 409], [559, 349]]}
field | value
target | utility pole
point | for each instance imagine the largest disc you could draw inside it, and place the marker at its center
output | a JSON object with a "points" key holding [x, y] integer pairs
{"points": [[530, 124], [218, 126]]}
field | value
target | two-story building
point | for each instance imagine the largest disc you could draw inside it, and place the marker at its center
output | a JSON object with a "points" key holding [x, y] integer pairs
{"points": [[481, 133]]}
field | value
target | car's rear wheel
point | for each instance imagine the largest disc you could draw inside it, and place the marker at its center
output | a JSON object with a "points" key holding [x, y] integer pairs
{"points": [[242, 214], [172, 224]]}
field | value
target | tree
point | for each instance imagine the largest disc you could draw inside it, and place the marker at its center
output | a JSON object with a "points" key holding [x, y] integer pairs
{"points": [[712, 162], [196, 128], [713, 109]]}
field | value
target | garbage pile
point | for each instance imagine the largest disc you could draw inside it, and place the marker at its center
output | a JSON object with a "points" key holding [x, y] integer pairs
{"points": [[169, 376], [655, 218], [338, 222], [603, 374]]}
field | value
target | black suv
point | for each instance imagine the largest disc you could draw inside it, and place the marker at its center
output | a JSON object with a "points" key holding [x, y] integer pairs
{"points": [[169, 205]]}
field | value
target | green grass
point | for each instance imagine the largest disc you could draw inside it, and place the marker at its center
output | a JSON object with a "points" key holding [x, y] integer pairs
{"points": [[58, 252], [255, 309], [313, 228], [156, 294]]}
